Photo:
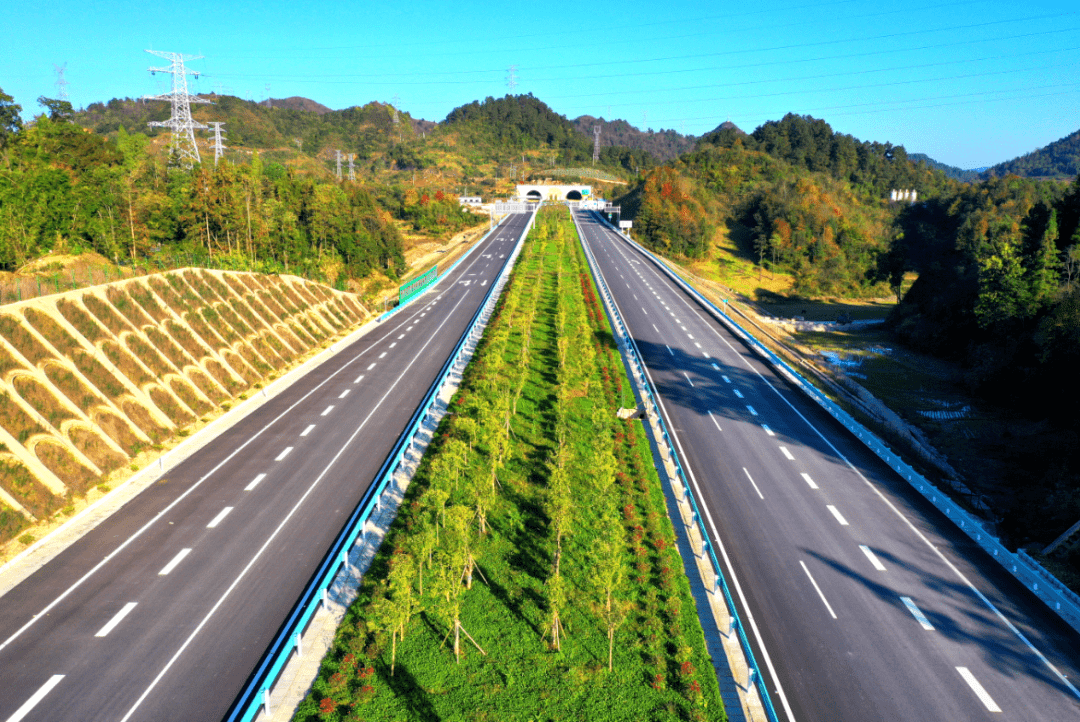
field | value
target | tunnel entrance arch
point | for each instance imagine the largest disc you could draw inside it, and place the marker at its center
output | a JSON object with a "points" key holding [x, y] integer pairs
{"points": [[573, 195]]}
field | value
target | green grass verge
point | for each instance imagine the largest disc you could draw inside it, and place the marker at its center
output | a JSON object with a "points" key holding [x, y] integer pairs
{"points": [[536, 493]]}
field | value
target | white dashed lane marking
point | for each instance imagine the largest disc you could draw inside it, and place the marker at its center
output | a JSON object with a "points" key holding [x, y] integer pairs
{"points": [[786, 453], [752, 482], [283, 454], [768, 430], [119, 617], [360, 378], [751, 410], [808, 480], [35, 698], [917, 613], [327, 410], [871, 556], [836, 513], [219, 518], [688, 378], [344, 394], [254, 482], [738, 393], [715, 421], [978, 689], [173, 564], [308, 430]]}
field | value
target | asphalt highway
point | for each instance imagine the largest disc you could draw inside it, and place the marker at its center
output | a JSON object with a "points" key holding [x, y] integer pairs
{"points": [[162, 611], [862, 601]]}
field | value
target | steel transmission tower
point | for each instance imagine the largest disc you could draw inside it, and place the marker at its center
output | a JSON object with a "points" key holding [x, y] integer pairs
{"points": [[338, 154], [395, 104], [596, 144], [182, 125], [511, 78], [218, 145], [61, 84], [352, 168]]}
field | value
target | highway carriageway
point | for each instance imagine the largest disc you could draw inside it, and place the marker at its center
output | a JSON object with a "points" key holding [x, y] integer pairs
{"points": [[162, 611], [861, 600]]}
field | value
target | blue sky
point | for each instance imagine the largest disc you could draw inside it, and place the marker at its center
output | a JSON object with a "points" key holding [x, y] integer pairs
{"points": [[971, 83]]}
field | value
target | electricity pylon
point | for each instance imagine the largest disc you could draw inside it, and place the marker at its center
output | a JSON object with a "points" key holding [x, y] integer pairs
{"points": [[182, 125], [352, 168], [218, 145], [596, 144], [338, 154], [61, 84]]}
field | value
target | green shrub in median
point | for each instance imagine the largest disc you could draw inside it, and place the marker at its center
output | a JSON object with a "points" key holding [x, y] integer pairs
{"points": [[531, 572]]}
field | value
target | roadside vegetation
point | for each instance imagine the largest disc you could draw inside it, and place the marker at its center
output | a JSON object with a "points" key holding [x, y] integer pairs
{"points": [[531, 572]]}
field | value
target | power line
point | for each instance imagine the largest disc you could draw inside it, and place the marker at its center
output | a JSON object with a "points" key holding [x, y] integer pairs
{"points": [[182, 125]]}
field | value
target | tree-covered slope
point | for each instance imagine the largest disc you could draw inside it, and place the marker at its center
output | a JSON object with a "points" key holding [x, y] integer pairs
{"points": [[663, 145], [1060, 159]]}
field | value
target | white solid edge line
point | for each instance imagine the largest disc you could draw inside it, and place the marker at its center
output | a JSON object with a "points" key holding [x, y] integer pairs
{"points": [[808, 480], [836, 513], [817, 589], [117, 618], [284, 521], [173, 564], [719, 545], [308, 430], [752, 482], [978, 689], [219, 518], [35, 698], [283, 454], [975, 590], [786, 453], [872, 557], [327, 410], [917, 613], [254, 482]]}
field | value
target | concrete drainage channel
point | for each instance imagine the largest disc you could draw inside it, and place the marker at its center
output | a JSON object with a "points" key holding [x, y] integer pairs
{"points": [[741, 685], [292, 662], [1059, 598]]}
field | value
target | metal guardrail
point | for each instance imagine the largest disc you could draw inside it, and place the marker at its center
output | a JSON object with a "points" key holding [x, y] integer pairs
{"points": [[649, 397], [1059, 598], [256, 694]]}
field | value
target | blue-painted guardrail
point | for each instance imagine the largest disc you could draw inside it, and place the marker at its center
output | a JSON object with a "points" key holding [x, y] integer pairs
{"points": [[1059, 598], [256, 693], [633, 356], [445, 273]]}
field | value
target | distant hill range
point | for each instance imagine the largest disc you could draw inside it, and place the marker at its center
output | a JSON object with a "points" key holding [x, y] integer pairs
{"points": [[664, 145], [1058, 160], [298, 103], [967, 176]]}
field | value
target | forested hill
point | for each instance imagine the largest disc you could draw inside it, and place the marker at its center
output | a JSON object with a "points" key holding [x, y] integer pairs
{"points": [[1060, 159], [300, 123], [520, 122], [664, 145], [872, 168]]}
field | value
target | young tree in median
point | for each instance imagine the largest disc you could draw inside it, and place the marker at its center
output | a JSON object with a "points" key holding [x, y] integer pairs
{"points": [[393, 612], [609, 576], [455, 565]]}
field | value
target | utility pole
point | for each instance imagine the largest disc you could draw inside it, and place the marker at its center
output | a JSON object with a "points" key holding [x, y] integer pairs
{"points": [[511, 78], [182, 125], [218, 145], [352, 169], [338, 154], [596, 144], [61, 84]]}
